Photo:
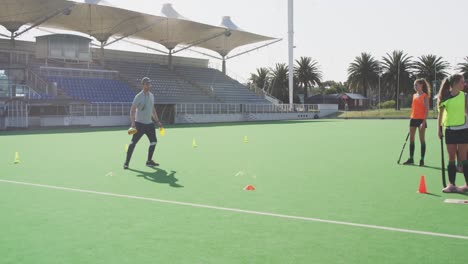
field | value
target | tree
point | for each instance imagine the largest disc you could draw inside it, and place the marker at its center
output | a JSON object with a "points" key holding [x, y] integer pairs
{"points": [[363, 73], [463, 67], [431, 68], [307, 72], [279, 77], [260, 78], [332, 87], [397, 74]]}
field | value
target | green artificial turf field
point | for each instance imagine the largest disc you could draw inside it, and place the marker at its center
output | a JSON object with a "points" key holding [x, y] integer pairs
{"points": [[327, 191]]}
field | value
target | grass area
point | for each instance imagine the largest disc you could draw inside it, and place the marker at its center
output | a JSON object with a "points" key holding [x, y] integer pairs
{"points": [[382, 113], [69, 200]]}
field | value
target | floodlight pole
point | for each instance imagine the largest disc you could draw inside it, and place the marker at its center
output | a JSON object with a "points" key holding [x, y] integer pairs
{"points": [[380, 74], [398, 86], [291, 51]]}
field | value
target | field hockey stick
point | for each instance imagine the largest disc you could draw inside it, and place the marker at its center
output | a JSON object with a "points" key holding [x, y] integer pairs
{"points": [[401, 153]]}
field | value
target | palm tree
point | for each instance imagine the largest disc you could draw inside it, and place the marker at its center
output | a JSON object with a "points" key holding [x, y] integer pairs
{"points": [[363, 73], [260, 78], [397, 74], [463, 67], [431, 68], [280, 82], [307, 74]]}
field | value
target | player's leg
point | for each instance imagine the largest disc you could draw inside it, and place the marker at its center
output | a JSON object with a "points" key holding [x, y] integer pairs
{"points": [[151, 134], [136, 137], [422, 139]]}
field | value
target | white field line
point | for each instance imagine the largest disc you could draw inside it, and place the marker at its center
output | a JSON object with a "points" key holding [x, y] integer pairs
{"points": [[392, 229]]}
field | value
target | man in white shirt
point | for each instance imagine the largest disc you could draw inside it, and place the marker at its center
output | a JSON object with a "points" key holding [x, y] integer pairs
{"points": [[142, 115]]}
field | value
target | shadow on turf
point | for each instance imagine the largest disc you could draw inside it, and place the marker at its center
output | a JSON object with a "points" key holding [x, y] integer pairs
{"points": [[159, 176], [425, 166]]}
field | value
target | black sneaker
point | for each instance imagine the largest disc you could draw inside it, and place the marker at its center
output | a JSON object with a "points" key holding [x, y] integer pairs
{"points": [[125, 166], [409, 162], [421, 163], [151, 163]]}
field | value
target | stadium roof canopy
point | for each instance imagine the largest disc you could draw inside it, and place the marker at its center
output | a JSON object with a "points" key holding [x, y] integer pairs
{"points": [[235, 38], [103, 22], [15, 14], [169, 29]]}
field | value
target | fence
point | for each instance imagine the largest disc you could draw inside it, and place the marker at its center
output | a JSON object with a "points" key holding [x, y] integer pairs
{"points": [[100, 109], [78, 73], [243, 108]]}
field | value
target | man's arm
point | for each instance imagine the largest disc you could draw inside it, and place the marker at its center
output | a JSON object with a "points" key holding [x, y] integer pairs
{"points": [[133, 115], [156, 118]]}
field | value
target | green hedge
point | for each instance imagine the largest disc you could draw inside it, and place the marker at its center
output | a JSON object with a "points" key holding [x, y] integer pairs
{"points": [[388, 104]]}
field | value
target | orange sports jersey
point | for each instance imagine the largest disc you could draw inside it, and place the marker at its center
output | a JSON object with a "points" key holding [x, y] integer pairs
{"points": [[418, 109]]}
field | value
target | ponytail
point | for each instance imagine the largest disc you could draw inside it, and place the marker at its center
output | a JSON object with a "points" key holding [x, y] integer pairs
{"points": [[444, 91]]}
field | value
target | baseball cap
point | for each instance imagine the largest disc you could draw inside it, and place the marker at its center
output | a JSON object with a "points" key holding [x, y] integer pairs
{"points": [[145, 80]]}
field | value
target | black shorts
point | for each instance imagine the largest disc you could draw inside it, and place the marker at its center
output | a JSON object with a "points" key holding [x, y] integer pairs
{"points": [[145, 129], [456, 136], [416, 122]]}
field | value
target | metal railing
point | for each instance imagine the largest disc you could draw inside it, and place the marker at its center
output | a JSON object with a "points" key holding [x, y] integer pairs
{"points": [[194, 109], [100, 109], [32, 79], [78, 73], [18, 91]]}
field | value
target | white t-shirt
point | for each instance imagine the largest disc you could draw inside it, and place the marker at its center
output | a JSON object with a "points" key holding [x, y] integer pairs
{"points": [[144, 107]]}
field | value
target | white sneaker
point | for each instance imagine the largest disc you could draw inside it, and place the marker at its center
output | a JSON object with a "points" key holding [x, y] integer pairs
{"points": [[450, 189]]}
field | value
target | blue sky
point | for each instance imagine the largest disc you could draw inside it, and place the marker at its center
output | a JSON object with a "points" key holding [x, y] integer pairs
{"points": [[333, 32]]}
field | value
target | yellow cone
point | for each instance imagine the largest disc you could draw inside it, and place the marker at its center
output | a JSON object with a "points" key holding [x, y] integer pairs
{"points": [[126, 148], [194, 143], [246, 140], [162, 131], [17, 159]]}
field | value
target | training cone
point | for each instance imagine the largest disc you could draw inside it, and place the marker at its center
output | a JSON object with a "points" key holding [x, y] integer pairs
{"points": [[194, 143], [126, 148], [17, 160], [249, 188], [246, 140], [422, 185], [162, 132]]}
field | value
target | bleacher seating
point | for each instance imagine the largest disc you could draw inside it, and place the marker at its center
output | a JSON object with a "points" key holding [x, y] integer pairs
{"points": [[166, 85], [184, 84], [95, 90], [229, 90]]}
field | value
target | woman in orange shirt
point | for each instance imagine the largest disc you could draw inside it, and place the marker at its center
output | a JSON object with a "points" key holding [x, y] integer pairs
{"points": [[419, 110]]}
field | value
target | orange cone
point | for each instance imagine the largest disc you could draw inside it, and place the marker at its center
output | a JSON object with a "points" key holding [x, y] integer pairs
{"points": [[422, 185], [249, 188]]}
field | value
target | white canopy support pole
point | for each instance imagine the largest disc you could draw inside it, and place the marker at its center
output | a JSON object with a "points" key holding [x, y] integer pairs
{"points": [[169, 61], [4, 35], [291, 50], [12, 45], [224, 65], [103, 62]]}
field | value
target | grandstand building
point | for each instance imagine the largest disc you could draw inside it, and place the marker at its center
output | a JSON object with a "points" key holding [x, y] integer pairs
{"points": [[62, 80]]}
